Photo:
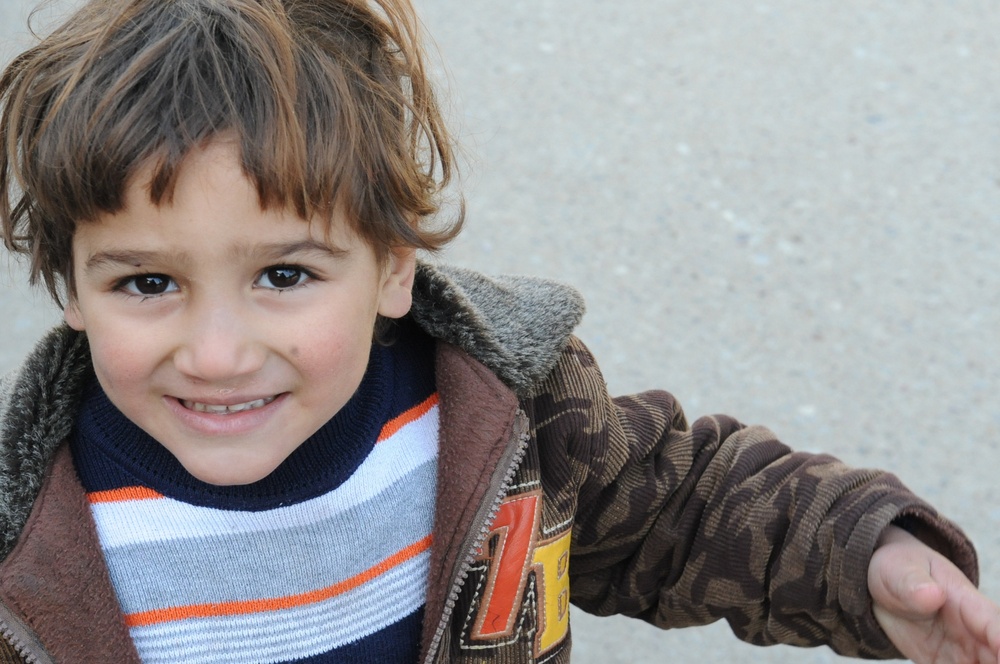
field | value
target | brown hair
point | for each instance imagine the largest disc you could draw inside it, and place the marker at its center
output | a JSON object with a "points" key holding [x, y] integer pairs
{"points": [[328, 100]]}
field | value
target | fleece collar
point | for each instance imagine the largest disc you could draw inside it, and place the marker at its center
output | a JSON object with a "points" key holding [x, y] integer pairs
{"points": [[516, 326]]}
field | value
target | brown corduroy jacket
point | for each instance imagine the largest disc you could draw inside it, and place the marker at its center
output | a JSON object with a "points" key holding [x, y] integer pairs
{"points": [[549, 491]]}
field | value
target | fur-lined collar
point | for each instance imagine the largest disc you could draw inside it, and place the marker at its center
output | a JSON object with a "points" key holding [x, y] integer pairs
{"points": [[516, 326]]}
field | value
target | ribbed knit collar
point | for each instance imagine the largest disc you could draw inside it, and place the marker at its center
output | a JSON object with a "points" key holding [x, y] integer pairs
{"points": [[111, 452]]}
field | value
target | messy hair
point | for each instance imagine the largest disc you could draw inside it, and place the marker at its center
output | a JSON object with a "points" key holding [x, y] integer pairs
{"points": [[328, 101]]}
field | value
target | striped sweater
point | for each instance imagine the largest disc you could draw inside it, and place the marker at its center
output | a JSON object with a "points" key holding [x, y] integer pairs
{"points": [[325, 560]]}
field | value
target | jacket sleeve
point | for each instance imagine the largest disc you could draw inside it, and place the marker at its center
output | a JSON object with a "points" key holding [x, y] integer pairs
{"points": [[683, 525]]}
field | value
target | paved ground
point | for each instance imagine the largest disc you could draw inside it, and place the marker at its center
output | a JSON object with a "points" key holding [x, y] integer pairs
{"points": [[786, 211]]}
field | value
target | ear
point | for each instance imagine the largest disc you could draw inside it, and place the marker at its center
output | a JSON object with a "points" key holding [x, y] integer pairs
{"points": [[397, 283], [73, 316]]}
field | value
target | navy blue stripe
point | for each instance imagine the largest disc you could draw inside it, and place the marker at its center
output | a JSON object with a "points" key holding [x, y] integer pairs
{"points": [[399, 642]]}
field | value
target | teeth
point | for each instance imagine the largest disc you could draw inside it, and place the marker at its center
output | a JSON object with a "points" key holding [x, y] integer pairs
{"points": [[222, 410]]}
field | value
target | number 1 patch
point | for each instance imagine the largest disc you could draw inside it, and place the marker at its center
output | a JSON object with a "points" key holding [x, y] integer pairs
{"points": [[519, 551]]}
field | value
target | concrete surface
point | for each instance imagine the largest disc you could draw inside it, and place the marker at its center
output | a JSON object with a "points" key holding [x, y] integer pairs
{"points": [[785, 211]]}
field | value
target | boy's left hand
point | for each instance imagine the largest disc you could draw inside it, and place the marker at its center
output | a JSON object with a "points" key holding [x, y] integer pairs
{"points": [[927, 606]]}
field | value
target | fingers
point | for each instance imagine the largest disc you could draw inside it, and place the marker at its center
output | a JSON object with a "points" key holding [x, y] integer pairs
{"points": [[982, 618], [927, 606]]}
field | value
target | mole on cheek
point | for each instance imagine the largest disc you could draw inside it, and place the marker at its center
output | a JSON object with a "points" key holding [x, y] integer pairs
{"points": [[294, 351]]}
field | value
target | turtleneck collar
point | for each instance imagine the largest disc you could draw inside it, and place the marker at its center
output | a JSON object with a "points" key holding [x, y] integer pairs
{"points": [[111, 452]]}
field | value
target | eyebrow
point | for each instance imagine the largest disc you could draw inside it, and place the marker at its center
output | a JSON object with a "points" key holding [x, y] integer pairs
{"points": [[277, 251], [103, 259], [267, 252]]}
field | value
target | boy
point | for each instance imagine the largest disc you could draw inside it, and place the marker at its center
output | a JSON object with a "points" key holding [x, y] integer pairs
{"points": [[214, 462]]}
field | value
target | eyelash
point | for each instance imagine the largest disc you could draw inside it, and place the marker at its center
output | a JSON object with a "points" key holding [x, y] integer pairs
{"points": [[306, 277], [126, 285]]}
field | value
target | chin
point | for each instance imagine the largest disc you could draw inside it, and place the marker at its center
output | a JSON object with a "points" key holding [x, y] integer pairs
{"points": [[231, 472]]}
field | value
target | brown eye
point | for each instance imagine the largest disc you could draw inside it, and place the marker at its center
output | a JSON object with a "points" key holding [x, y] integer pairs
{"points": [[149, 284], [282, 277]]}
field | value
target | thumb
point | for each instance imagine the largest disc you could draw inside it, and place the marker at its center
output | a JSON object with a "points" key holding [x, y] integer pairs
{"points": [[904, 585]]}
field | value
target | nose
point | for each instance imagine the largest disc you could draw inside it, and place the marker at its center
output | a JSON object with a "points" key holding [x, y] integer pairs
{"points": [[220, 344]]}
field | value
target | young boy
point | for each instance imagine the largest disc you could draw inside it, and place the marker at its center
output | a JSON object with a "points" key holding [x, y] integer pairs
{"points": [[268, 433]]}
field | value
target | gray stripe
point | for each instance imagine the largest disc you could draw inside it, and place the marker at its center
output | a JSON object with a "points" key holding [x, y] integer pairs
{"points": [[289, 634], [276, 563]]}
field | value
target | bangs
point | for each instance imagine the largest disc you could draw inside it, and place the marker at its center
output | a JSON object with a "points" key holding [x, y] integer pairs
{"points": [[181, 73]]}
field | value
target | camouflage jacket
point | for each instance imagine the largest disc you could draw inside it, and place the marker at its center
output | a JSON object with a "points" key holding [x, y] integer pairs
{"points": [[550, 491]]}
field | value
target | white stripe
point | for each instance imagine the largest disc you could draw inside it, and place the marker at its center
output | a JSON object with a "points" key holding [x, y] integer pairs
{"points": [[293, 633], [136, 521]]}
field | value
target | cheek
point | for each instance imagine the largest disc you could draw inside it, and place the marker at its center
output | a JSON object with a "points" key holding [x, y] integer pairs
{"points": [[331, 359], [337, 355], [120, 364], [340, 334]]}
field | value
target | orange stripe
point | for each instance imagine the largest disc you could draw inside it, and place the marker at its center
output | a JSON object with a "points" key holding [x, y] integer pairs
{"points": [[146, 618], [122, 495], [400, 421]]}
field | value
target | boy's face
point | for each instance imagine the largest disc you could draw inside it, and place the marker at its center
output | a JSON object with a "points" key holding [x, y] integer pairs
{"points": [[228, 333]]}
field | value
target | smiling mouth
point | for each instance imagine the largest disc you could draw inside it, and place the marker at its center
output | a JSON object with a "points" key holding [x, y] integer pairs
{"points": [[225, 410]]}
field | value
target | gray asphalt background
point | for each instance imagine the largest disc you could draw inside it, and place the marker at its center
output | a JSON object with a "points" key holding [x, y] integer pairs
{"points": [[785, 211]]}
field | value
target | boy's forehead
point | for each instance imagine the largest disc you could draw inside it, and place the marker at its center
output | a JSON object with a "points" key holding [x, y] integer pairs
{"points": [[210, 190], [216, 162], [218, 154], [198, 176]]}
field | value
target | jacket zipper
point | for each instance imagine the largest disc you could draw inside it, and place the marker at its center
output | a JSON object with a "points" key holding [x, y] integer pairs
{"points": [[20, 636], [516, 455]]}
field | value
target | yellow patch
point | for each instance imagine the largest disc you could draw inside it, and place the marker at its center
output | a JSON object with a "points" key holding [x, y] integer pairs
{"points": [[553, 559]]}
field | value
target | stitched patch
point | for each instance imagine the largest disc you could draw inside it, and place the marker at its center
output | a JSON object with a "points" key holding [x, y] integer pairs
{"points": [[520, 575]]}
